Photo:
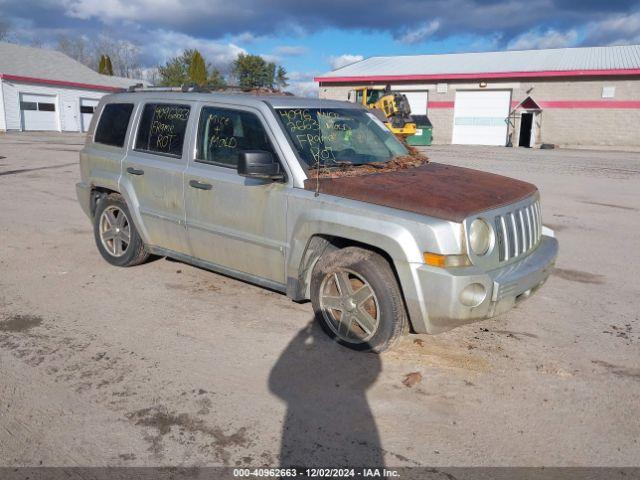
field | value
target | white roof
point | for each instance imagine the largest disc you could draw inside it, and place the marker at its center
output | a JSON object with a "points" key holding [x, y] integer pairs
{"points": [[44, 64], [575, 60]]}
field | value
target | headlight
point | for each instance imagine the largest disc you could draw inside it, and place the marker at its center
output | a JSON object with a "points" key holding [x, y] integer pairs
{"points": [[480, 236]]}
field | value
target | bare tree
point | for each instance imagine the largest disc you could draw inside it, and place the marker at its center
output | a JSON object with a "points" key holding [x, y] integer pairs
{"points": [[77, 48], [151, 75], [125, 56], [5, 31]]}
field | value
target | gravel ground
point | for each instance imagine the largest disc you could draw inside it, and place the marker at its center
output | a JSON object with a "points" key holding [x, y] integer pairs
{"points": [[167, 364]]}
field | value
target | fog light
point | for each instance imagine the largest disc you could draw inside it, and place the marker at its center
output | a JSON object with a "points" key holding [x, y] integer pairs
{"points": [[473, 295]]}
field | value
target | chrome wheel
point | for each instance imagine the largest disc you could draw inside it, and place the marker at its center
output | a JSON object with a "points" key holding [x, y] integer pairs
{"points": [[349, 306], [115, 231]]}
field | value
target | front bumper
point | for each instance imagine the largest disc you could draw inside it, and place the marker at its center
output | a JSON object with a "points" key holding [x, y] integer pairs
{"points": [[443, 290]]}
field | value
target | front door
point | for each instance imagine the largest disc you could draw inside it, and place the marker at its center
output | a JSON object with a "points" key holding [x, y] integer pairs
{"points": [[154, 171], [526, 130], [234, 222], [70, 116]]}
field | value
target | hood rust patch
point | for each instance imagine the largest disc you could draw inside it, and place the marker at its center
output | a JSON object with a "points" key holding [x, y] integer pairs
{"points": [[442, 191]]}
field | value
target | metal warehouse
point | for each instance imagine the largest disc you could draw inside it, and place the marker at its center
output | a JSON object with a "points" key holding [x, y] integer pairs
{"points": [[45, 90], [568, 97]]}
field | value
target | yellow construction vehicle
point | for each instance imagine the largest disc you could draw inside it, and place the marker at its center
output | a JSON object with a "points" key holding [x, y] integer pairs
{"points": [[391, 107]]}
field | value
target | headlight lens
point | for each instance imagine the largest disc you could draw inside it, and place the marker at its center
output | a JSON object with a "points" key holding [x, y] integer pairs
{"points": [[480, 236]]}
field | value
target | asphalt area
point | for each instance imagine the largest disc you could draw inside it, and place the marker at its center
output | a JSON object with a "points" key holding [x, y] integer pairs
{"points": [[168, 364]]}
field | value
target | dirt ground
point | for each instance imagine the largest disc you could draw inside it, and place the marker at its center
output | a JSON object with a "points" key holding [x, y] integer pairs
{"points": [[167, 364]]}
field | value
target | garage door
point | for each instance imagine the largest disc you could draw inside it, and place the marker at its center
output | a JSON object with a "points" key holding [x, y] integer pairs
{"points": [[87, 106], [480, 118], [417, 102], [38, 112]]}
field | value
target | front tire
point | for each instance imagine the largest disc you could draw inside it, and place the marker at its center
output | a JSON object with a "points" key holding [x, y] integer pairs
{"points": [[115, 234], [357, 300]]}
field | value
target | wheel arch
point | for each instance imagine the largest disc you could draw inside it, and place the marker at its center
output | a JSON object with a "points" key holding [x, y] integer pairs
{"points": [[99, 192], [319, 244]]}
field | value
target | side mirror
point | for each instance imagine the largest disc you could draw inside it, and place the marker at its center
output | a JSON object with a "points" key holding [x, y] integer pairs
{"points": [[259, 164]]}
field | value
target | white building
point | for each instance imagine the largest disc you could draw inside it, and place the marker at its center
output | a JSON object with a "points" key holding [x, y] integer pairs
{"points": [[568, 96], [45, 90]]}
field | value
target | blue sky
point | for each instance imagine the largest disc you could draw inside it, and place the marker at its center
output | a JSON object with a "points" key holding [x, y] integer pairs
{"points": [[311, 37]]}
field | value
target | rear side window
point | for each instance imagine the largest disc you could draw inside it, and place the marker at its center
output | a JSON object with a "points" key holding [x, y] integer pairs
{"points": [[224, 133], [112, 127], [162, 129]]}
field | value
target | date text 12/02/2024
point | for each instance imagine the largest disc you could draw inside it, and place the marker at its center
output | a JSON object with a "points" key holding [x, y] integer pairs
{"points": [[316, 472]]}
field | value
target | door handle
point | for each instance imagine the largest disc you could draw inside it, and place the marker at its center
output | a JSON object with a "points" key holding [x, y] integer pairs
{"points": [[134, 171], [200, 185]]}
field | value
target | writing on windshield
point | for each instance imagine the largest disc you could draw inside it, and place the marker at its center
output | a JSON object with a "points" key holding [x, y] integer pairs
{"points": [[334, 136]]}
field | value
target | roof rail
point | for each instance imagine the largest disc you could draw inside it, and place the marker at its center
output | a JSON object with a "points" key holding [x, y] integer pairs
{"points": [[139, 87], [190, 87]]}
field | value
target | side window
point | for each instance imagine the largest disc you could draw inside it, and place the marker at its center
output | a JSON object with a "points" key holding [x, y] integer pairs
{"points": [[162, 129], [224, 133], [112, 128]]}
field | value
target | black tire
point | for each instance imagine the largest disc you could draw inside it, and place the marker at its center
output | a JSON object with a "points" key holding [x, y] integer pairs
{"points": [[360, 266], [135, 252]]}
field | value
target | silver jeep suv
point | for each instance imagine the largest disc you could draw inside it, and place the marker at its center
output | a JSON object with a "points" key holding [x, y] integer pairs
{"points": [[267, 189]]}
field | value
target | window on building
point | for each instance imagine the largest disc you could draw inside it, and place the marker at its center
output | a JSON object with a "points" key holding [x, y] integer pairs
{"points": [[28, 106], [46, 107], [162, 129], [112, 127], [86, 109], [224, 133]]}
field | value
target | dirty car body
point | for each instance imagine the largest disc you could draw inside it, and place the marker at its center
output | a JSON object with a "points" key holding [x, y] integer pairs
{"points": [[199, 207]]}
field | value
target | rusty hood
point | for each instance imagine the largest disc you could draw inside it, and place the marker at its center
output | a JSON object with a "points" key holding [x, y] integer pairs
{"points": [[442, 191]]}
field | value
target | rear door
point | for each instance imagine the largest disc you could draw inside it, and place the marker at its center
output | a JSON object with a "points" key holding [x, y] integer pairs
{"points": [[235, 222], [153, 169]]}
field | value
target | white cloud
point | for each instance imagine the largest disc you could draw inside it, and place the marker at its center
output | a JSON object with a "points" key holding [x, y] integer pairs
{"points": [[246, 37], [270, 58], [160, 45], [303, 89], [615, 30], [290, 50], [417, 35], [344, 60], [538, 39], [146, 11]]}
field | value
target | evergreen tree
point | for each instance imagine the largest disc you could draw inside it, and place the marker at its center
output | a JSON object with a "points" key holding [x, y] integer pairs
{"points": [[175, 72], [252, 71], [197, 69], [216, 79], [281, 78], [108, 65]]}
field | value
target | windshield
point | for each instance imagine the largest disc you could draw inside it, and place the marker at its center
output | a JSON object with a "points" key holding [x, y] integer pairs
{"points": [[332, 137]]}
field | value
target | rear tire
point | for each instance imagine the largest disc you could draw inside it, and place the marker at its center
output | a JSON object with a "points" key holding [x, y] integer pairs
{"points": [[116, 236], [357, 300]]}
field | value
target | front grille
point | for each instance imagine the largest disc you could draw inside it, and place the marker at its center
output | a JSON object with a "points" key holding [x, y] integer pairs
{"points": [[518, 231]]}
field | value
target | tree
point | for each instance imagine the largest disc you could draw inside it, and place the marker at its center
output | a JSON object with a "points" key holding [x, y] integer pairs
{"points": [[216, 79], [5, 30], [252, 71], [176, 71], [77, 48], [108, 65], [105, 67], [124, 55], [282, 81], [197, 69]]}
